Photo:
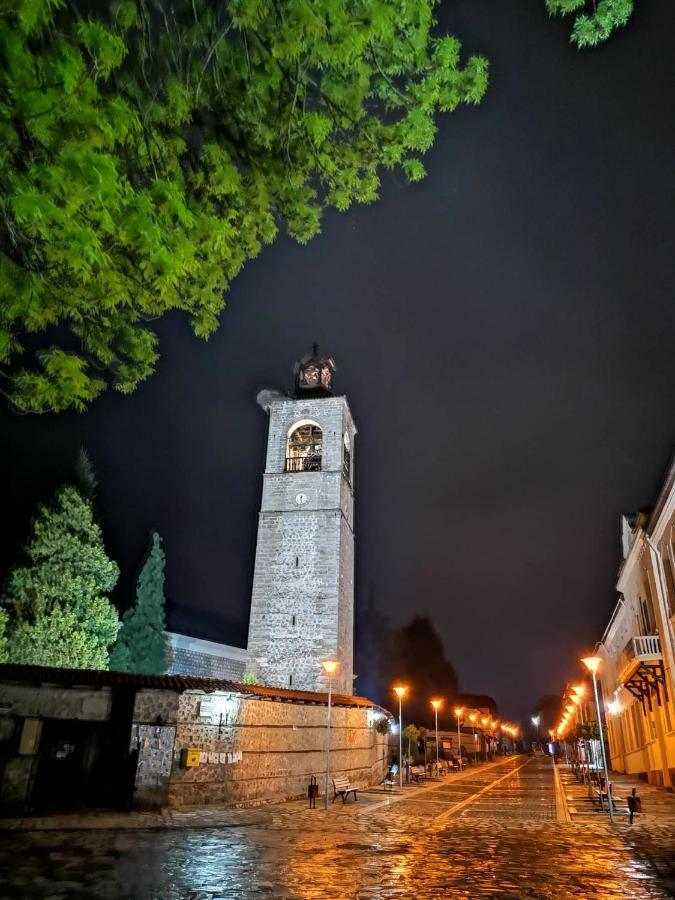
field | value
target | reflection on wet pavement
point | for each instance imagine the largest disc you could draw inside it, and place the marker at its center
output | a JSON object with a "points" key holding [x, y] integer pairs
{"points": [[501, 841]]}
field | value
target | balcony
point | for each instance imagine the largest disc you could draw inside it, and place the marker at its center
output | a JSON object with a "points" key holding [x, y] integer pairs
{"points": [[640, 649], [309, 463]]}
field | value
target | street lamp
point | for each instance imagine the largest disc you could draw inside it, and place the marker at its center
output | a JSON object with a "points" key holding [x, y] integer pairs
{"points": [[400, 692], [484, 721], [436, 705], [472, 719], [592, 663], [458, 710], [330, 667]]}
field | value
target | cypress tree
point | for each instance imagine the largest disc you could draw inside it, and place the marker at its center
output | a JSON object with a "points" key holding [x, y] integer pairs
{"points": [[142, 643], [3, 636], [57, 605]]}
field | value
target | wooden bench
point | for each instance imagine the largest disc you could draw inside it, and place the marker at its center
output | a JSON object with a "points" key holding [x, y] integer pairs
{"points": [[342, 788], [418, 773]]}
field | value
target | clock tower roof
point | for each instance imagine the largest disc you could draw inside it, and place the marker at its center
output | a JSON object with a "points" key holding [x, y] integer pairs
{"points": [[314, 375]]}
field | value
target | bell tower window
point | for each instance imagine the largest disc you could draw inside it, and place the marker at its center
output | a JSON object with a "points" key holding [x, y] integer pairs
{"points": [[346, 457], [303, 448]]}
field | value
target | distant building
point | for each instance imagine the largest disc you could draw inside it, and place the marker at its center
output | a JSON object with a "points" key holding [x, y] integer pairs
{"points": [[638, 678]]}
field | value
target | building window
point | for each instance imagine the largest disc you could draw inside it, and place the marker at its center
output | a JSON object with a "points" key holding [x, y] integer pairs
{"points": [[290, 681], [346, 457], [303, 448], [293, 621]]}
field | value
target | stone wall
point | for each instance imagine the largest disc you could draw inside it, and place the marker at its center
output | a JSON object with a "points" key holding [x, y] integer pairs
{"points": [[256, 750], [205, 659]]}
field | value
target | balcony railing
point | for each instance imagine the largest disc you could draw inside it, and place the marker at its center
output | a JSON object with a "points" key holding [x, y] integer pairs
{"points": [[645, 646], [640, 648], [310, 463]]}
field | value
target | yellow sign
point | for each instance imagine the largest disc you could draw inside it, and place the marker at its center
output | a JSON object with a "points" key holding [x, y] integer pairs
{"points": [[191, 756]]}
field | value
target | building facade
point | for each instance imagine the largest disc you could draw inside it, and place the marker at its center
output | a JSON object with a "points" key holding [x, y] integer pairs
{"points": [[638, 678], [302, 603]]}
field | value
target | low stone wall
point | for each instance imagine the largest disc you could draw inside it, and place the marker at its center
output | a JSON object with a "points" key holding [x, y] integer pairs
{"points": [[251, 749]]}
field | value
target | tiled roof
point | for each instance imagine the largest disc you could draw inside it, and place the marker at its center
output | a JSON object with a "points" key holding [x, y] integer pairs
{"points": [[99, 678]]}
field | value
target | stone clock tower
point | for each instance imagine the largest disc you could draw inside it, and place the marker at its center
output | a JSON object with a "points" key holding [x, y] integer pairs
{"points": [[302, 604]]}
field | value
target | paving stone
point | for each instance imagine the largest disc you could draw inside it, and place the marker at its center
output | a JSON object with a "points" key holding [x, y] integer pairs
{"points": [[443, 840]]}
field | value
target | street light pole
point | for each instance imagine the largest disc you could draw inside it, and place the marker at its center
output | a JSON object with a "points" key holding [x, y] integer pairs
{"points": [[436, 704], [484, 721], [400, 692], [472, 719], [458, 712], [329, 667], [593, 663]]}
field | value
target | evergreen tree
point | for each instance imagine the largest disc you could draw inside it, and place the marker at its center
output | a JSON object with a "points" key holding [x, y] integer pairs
{"points": [[149, 149], [142, 645], [3, 636], [59, 614], [418, 660], [85, 477]]}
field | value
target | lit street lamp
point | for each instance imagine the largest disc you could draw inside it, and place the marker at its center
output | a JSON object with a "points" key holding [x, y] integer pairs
{"points": [[592, 663], [484, 721], [436, 705], [330, 667], [458, 710], [472, 719], [400, 692], [535, 721]]}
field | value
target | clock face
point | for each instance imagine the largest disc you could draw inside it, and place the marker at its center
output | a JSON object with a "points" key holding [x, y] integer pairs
{"points": [[301, 499]]}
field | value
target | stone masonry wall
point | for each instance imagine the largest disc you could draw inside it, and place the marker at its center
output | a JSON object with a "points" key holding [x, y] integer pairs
{"points": [[303, 585], [204, 665], [257, 750]]}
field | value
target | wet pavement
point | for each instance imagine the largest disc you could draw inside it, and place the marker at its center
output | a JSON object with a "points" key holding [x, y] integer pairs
{"points": [[491, 832]]}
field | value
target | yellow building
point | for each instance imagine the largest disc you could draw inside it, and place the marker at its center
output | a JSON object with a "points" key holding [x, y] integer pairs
{"points": [[638, 678]]}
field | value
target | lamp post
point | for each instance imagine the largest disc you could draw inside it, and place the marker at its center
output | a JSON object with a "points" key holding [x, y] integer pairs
{"points": [[436, 705], [472, 719], [330, 667], [592, 663], [400, 692], [484, 721], [458, 710], [535, 721]]}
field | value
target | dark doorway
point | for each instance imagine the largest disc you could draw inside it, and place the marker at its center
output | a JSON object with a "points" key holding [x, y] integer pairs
{"points": [[69, 765], [85, 764]]}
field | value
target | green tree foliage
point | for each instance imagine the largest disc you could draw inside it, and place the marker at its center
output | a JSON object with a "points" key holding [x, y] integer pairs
{"points": [[3, 636], [59, 614], [149, 149], [142, 645], [594, 20]]}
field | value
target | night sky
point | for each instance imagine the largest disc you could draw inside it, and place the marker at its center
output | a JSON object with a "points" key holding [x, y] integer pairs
{"points": [[504, 333]]}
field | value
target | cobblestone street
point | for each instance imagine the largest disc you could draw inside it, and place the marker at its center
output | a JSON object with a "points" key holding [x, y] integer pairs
{"points": [[489, 833]]}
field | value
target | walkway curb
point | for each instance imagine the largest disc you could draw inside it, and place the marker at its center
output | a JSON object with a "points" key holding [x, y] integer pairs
{"points": [[562, 812]]}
